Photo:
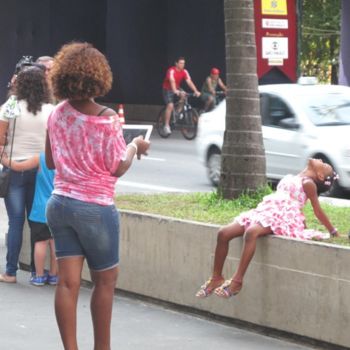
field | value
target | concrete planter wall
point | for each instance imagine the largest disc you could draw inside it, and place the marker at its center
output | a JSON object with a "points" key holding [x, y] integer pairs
{"points": [[298, 287]]}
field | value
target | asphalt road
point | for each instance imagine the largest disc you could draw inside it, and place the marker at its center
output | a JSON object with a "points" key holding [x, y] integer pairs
{"points": [[171, 166]]}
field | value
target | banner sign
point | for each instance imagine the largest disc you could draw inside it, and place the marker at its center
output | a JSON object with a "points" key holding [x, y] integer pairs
{"points": [[276, 36], [274, 7]]}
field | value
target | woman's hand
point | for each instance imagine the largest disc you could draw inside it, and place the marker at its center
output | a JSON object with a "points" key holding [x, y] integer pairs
{"points": [[142, 146], [5, 160]]}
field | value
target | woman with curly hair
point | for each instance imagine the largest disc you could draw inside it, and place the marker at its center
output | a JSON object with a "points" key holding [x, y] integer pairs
{"points": [[85, 145], [28, 131]]}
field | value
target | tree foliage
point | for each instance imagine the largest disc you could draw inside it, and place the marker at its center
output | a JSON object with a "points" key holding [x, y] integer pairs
{"points": [[320, 39]]}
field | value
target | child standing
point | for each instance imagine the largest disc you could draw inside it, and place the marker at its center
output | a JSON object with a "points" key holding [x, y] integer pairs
{"points": [[39, 231], [279, 213]]}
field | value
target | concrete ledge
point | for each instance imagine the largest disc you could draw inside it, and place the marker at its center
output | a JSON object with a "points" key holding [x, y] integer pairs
{"points": [[291, 286]]}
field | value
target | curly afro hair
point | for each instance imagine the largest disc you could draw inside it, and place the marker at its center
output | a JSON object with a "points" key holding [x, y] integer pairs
{"points": [[80, 72], [32, 86]]}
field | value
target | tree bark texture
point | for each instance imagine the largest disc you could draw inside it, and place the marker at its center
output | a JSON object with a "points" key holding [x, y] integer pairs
{"points": [[243, 166]]}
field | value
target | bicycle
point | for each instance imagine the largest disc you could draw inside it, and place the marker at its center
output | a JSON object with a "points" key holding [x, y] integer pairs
{"points": [[219, 96], [183, 116]]}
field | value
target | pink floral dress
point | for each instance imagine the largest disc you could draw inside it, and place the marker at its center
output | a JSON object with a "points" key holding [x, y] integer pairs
{"points": [[282, 211]]}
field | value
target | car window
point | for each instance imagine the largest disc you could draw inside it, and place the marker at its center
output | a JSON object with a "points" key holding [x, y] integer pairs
{"points": [[274, 110], [328, 109]]}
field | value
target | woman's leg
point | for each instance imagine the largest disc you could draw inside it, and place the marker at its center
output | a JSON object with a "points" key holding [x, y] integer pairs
{"points": [[53, 261], [30, 176], [249, 246], [15, 207], [101, 306], [66, 298]]}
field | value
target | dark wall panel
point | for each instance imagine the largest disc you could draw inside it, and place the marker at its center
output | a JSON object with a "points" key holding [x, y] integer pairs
{"points": [[81, 20], [40, 27], [136, 48], [196, 30], [141, 38], [24, 30]]}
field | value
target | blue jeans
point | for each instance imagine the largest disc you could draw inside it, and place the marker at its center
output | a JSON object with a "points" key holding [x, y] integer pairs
{"points": [[84, 229], [18, 203]]}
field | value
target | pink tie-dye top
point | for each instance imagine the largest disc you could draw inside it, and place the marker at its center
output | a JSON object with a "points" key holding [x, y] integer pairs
{"points": [[86, 151]]}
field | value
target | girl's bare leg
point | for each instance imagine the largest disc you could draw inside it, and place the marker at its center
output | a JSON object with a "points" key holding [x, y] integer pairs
{"points": [[101, 306], [225, 235], [39, 257], [249, 246], [66, 298]]}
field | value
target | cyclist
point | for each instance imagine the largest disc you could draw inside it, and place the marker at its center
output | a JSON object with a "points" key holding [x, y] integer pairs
{"points": [[175, 75], [208, 92]]}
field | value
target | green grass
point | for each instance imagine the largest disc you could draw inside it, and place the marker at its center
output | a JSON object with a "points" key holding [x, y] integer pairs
{"points": [[211, 208]]}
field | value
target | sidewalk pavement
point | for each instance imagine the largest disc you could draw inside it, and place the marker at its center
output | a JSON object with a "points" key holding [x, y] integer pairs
{"points": [[27, 322]]}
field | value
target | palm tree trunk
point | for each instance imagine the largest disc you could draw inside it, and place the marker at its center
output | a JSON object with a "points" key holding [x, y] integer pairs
{"points": [[243, 157]]}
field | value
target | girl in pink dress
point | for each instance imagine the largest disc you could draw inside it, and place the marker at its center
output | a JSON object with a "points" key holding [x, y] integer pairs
{"points": [[279, 213]]}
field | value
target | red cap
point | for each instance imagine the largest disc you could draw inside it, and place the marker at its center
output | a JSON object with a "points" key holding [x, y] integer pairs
{"points": [[215, 71]]}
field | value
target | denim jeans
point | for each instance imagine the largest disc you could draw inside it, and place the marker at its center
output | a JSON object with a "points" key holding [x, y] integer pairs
{"points": [[84, 229], [18, 203]]}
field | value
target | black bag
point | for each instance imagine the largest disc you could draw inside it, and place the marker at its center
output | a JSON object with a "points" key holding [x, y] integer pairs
{"points": [[5, 175]]}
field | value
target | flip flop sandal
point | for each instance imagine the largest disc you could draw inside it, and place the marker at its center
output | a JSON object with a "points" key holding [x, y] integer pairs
{"points": [[7, 279], [206, 291], [224, 290]]}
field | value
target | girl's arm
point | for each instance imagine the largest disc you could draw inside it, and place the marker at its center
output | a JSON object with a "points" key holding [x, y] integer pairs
{"points": [[27, 164], [311, 192]]}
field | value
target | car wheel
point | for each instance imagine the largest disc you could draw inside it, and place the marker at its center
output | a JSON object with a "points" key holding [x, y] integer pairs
{"points": [[214, 166]]}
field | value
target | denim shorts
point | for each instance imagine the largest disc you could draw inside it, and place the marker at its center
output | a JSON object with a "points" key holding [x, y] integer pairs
{"points": [[169, 96], [84, 229]]}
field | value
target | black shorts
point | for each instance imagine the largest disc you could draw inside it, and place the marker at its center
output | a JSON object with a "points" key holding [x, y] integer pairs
{"points": [[39, 231]]}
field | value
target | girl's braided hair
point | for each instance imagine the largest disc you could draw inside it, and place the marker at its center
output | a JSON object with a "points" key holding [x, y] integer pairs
{"points": [[327, 184]]}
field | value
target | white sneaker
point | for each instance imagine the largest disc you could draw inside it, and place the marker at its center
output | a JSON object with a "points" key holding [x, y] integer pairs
{"points": [[167, 130]]}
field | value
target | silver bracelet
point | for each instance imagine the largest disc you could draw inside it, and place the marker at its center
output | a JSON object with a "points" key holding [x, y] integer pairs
{"points": [[133, 145]]}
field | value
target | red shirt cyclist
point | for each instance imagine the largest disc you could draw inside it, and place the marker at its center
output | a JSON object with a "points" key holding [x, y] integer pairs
{"points": [[175, 75]]}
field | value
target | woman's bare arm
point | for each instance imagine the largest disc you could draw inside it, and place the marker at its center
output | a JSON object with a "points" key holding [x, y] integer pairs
{"points": [[48, 154]]}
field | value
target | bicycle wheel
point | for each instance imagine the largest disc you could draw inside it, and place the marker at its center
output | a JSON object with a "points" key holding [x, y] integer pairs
{"points": [[189, 128], [160, 124]]}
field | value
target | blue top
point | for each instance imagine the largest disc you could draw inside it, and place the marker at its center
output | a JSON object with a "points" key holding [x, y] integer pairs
{"points": [[43, 190]]}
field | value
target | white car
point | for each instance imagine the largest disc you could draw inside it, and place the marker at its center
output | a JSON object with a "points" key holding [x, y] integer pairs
{"points": [[298, 122]]}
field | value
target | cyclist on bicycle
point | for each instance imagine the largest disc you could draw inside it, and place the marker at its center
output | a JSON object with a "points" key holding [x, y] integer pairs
{"points": [[175, 75], [208, 92]]}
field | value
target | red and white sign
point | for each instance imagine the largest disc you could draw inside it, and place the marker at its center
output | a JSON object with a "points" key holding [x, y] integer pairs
{"points": [[276, 37]]}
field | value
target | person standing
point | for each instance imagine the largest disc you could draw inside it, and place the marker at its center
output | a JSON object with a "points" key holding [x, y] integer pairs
{"points": [[39, 231], [172, 92], [28, 129], [86, 146]]}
